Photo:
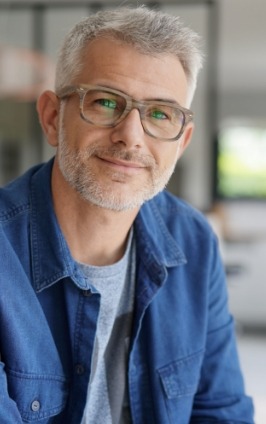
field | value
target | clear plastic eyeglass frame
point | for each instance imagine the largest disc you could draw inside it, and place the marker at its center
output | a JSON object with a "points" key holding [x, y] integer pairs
{"points": [[131, 103]]}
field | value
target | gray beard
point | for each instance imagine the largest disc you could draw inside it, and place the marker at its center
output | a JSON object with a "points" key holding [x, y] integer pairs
{"points": [[74, 165]]}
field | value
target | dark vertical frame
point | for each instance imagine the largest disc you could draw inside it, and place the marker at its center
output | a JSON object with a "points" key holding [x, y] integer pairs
{"points": [[38, 36]]}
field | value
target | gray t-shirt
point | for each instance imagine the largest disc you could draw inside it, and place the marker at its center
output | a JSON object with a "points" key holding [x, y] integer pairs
{"points": [[107, 397]]}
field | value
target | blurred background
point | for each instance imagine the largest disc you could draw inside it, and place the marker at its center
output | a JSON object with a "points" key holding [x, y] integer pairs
{"points": [[223, 173]]}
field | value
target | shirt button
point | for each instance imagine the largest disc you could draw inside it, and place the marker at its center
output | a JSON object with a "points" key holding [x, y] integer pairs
{"points": [[35, 406], [86, 293], [79, 368]]}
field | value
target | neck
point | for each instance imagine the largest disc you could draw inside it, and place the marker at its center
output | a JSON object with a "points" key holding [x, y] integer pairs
{"points": [[95, 235]]}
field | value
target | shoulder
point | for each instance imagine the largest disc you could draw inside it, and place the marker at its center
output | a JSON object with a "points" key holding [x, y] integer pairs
{"points": [[15, 196], [170, 227]]}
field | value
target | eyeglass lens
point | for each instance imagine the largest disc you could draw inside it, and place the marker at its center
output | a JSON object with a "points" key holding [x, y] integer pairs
{"points": [[104, 108]]}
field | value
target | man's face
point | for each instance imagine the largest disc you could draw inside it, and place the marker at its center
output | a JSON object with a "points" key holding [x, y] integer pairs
{"points": [[119, 168]]}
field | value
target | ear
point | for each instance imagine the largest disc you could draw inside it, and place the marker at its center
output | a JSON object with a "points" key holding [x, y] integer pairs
{"points": [[48, 111], [186, 137]]}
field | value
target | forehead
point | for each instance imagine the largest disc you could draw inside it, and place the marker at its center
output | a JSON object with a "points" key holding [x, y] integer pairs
{"points": [[121, 66]]}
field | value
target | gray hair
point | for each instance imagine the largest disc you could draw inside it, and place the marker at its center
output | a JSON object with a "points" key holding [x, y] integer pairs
{"points": [[150, 32]]}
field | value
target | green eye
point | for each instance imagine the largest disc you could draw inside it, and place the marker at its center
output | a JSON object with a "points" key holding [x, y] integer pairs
{"points": [[158, 114], [108, 103]]}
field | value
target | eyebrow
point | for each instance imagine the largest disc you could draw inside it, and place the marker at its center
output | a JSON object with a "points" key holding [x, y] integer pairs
{"points": [[159, 99], [173, 102]]}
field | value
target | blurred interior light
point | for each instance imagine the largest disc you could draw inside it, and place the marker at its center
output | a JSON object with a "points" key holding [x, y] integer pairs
{"points": [[24, 73]]}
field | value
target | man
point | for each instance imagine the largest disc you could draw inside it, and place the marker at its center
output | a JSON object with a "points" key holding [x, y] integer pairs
{"points": [[113, 297]]}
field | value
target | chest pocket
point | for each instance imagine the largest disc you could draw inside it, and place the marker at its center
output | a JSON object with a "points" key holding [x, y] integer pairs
{"points": [[180, 378], [38, 397], [180, 381]]}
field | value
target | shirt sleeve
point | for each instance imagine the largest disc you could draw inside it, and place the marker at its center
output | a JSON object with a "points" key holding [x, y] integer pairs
{"points": [[221, 393]]}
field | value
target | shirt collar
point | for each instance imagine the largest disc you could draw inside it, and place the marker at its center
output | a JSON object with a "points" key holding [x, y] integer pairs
{"points": [[155, 237], [51, 258]]}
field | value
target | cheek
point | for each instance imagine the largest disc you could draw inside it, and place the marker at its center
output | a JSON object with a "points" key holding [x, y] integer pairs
{"points": [[83, 135], [167, 155], [75, 136], [73, 127]]}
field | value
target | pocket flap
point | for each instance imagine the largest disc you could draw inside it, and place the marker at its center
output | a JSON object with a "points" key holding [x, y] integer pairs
{"points": [[37, 396], [180, 378]]}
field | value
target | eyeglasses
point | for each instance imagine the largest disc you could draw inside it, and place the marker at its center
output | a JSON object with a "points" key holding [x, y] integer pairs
{"points": [[105, 107]]}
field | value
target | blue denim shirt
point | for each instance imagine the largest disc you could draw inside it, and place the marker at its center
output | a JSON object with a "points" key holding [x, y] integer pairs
{"points": [[183, 365]]}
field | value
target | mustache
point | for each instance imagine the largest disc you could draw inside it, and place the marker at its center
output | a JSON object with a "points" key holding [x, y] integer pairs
{"points": [[122, 154]]}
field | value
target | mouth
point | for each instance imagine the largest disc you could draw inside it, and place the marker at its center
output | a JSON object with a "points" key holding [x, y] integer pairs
{"points": [[127, 167]]}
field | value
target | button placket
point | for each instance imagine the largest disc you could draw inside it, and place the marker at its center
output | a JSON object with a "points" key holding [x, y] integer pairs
{"points": [[79, 368]]}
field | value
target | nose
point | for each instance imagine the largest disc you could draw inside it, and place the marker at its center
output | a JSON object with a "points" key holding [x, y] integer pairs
{"points": [[130, 131]]}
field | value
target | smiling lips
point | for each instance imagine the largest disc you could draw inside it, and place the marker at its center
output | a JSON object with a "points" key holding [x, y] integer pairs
{"points": [[123, 166]]}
